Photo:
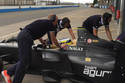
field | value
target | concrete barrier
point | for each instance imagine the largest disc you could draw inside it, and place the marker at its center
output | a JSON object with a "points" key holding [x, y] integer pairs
{"points": [[29, 8]]}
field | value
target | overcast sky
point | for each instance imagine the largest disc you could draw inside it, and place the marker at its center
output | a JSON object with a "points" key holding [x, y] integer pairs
{"points": [[78, 1]]}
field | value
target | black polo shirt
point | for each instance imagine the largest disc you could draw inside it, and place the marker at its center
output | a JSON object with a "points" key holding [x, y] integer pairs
{"points": [[39, 28], [94, 21]]}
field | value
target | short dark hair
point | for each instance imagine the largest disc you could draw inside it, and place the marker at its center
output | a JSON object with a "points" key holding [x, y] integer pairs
{"points": [[106, 16], [65, 20], [52, 17]]}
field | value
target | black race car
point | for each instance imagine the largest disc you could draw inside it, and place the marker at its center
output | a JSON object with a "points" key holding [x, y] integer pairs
{"points": [[91, 60]]}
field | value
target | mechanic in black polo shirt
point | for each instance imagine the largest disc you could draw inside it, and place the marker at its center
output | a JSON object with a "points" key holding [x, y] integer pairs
{"points": [[62, 24], [92, 24], [33, 31]]}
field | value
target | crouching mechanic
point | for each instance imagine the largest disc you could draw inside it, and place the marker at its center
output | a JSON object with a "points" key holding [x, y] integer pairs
{"points": [[61, 24], [92, 24], [33, 31]]}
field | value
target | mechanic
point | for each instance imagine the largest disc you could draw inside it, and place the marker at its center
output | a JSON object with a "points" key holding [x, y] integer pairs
{"points": [[62, 24], [33, 31], [92, 24]]}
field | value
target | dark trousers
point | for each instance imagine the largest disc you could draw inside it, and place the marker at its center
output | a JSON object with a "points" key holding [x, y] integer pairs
{"points": [[25, 47], [49, 38]]}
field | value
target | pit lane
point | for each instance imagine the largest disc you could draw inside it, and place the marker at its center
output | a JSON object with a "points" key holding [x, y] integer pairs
{"points": [[11, 22]]}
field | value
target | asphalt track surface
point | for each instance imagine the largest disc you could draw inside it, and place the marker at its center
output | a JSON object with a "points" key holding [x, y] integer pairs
{"points": [[15, 17]]}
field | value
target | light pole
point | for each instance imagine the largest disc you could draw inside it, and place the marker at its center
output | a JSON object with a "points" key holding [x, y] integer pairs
{"points": [[14, 2], [122, 22]]}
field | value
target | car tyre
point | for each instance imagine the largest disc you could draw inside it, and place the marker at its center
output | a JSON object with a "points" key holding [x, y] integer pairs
{"points": [[1, 65]]}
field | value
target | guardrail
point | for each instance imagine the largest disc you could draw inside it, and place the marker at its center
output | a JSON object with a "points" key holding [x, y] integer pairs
{"points": [[32, 8]]}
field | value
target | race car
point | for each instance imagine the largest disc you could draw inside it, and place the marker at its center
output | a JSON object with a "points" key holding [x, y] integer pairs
{"points": [[90, 60]]}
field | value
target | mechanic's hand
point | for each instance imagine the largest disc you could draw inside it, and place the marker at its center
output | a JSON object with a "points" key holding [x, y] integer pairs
{"points": [[53, 46], [64, 46], [74, 42]]}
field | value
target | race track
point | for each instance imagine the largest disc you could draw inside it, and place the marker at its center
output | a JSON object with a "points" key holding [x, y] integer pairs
{"points": [[15, 17]]}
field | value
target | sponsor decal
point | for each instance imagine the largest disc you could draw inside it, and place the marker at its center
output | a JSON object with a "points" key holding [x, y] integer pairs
{"points": [[93, 72], [95, 41], [92, 41], [76, 48], [89, 41], [87, 59]]}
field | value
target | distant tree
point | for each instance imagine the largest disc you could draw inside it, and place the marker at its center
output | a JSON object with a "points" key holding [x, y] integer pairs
{"points": [[95, 2]]}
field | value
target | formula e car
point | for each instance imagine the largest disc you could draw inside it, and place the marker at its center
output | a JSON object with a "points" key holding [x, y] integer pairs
{"points": [[91, 60]]}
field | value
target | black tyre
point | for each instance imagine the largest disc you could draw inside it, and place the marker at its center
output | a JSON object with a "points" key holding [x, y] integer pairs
{"points": [[1, 65]]}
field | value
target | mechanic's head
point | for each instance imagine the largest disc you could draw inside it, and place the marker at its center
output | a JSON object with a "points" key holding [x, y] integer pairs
{"points": [[65, 22], [107, 18], [53, 18]]}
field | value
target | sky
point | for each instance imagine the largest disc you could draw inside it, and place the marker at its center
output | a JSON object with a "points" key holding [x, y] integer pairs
{"points": [[78, 1]]}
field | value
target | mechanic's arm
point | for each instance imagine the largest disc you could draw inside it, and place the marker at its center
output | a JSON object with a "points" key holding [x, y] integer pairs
{"points": [[53, 39], [95, 32], [108, 33], [72, 34]]}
